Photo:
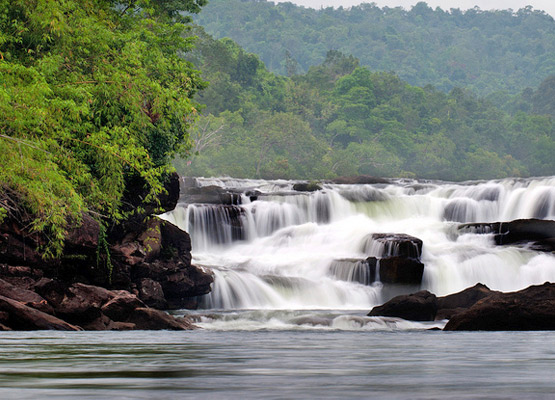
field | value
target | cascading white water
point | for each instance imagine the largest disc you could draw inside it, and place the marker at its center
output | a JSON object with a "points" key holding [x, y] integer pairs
{"points": [[292, 251]]}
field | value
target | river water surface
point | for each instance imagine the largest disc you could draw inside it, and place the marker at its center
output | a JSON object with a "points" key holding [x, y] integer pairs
{"points": [[286, 317], [278, 364]]}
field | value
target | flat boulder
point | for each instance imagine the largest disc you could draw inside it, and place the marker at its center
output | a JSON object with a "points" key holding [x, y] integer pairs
{"points": [[27, 297], [392, 245], [529, 309], [539, 233], [22, 317], [420, 306]]}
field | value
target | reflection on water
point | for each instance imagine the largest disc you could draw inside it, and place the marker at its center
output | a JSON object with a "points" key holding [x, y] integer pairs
{"points": [[277, 364]]}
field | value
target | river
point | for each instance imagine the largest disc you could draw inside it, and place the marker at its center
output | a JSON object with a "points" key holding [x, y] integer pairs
{"points": [[287, 314], [277, 364]]}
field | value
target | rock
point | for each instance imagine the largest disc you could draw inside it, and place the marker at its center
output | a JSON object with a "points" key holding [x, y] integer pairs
{"points": [[22, 317], [18, 246], [121, 306], [98, 324], [209, 195], [458, 302], [83, 237], [392, 245], [121, 326], [27, 297], [396, 270], [152, 294], [420, 306], [359, 180], [530, 309], [540, 233], [52, 290], [5, 328], [306, 187], [151, 319], [83, 303]]}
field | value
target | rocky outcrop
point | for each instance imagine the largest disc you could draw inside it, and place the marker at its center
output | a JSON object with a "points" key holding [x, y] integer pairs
{"points": [[453, 304], [478, 308], [420, 306], [18, 316], [105, 275], [538, 233], [530, 309]]}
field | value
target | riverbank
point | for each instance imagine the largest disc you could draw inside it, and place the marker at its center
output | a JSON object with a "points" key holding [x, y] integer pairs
{"points": [[109, 278]]}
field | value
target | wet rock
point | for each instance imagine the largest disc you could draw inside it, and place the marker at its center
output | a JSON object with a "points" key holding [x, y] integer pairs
{"points": [[52, 290], [537, 232], [151, 319], [27, 297], [453, 304], [83, 303], [530, 309], [306, 187], [121, 306], [152, 294], [396, 270], [392, 245], [22, 317], [420, 306]]}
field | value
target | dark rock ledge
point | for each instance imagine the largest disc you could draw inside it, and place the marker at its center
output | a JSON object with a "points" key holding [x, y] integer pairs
{"points": [[146, 269], [479, 308]]}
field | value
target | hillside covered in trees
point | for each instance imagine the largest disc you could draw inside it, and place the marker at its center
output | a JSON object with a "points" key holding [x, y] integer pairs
{"points": [[484, 51], [340, 118]]}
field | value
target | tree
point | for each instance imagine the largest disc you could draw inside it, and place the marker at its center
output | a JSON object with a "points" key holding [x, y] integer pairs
{"points": [[92, 94]]}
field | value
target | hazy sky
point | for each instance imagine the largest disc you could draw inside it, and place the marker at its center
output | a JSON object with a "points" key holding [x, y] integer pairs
{"points": [[546, 5]]}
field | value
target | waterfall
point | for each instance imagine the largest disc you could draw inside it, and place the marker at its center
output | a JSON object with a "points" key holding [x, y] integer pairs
{"points": [[279, 249]]}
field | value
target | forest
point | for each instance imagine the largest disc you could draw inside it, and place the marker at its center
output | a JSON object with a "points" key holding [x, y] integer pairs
{"points": [[484, 51], [340, 118]]}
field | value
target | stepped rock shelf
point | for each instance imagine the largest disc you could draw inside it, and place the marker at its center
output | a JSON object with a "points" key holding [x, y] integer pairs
{"points": [[304, 254], [359, 241]]}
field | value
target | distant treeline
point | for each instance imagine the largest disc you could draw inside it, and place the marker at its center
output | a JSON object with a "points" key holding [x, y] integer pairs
{"points": [[339, 118], [485, 51]]}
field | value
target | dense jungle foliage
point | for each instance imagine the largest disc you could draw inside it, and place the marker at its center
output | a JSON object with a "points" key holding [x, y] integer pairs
{"points": [[484, 51], [343, 119], [92, 94]]}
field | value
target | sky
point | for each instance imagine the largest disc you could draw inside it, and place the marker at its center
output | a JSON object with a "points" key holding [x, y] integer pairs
{"points": [[546, 5]]}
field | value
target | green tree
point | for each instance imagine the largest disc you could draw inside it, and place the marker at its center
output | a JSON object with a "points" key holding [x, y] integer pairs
{"points": [[92, 93]]}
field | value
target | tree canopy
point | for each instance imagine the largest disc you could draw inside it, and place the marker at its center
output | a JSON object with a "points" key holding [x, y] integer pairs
{"points": [[484, 51], [339, 118], [92, 93]]}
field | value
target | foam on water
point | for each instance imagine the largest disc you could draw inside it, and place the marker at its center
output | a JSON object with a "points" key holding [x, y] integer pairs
{"points": [[278, 252]]}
